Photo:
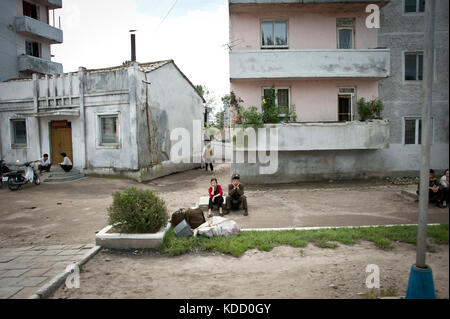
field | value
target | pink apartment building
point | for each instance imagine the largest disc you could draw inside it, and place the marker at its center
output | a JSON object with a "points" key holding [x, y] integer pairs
{"points": [[320, 56]]}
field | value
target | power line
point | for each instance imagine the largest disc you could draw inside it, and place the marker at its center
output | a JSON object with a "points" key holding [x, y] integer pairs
{"points": [[168, 12]]}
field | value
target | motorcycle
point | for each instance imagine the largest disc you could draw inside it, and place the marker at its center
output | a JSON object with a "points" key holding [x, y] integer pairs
{"points": [[3, 170], [18, 178]]}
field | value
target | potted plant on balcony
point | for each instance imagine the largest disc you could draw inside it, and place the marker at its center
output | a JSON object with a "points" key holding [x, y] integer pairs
{"points": [[137, 219], [371, 109]]}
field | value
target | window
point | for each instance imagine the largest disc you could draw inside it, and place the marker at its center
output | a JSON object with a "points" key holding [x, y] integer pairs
{"points": [[30, 10], [413, 6], [18, 133], [345, 33], [273, 34], [109, 130], [33, 48], [413, 66], [281, 98], [413, 130]]}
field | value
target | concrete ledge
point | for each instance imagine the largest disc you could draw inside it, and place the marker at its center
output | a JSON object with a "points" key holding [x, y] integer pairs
{"points": [[327, 227], [130, 241], [59, 279], [409, 195], [203, 202]]}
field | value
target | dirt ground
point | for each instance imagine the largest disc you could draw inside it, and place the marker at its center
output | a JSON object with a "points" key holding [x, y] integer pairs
{"points": [[71, 213], [285, 273]]}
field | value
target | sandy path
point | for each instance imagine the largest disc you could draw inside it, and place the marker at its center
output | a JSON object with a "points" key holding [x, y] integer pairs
{"points": [[285, 272]]}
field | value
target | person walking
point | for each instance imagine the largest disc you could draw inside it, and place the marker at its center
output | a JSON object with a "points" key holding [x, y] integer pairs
{"points": [[209, 157]]}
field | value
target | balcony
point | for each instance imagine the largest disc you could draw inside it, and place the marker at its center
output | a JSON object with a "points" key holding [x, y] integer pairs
{"points": [[31, 64], [313, 64], [27, 25], [353, 135], [51, 4]]}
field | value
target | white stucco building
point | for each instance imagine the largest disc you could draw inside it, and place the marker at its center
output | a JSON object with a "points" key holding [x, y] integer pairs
{"points": [[109, 121]]}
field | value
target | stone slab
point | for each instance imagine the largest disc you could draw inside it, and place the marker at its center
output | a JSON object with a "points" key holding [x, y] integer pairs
{"points": [[8, 292]]}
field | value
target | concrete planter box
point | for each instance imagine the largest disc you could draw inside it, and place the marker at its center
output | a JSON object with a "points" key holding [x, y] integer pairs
{"points": [[130, 241]]}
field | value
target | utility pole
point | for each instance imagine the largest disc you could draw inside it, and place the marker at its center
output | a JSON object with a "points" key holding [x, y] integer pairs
{"points": [[420, 284]]}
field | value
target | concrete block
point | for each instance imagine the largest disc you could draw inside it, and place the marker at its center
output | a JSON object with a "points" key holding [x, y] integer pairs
{"points": [[130, 241], [204, 201], [8, 292], [14, 273]]}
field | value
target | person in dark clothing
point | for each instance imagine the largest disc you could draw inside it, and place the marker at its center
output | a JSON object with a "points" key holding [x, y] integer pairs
{"points": [[66, 165], [236, 195], [435, 193], [215, 197]]}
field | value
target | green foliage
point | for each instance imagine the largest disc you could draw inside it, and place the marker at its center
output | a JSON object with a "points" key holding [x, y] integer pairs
{"points": [[381, 236], [370, 109], [232, 102], [137, 211], [270, 110], [251, 117]]}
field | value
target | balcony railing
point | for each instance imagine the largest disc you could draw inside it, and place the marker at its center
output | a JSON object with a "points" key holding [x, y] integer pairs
{"points": [[354, 135], [27, 25], [31, 64], [331, 63]]}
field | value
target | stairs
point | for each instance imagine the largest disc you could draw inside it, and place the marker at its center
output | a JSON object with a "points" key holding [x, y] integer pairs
{"points": [[57, 175]]}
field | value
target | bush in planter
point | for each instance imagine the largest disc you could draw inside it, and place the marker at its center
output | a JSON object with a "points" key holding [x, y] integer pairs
{"points": [[137, 211], [370, 109]]}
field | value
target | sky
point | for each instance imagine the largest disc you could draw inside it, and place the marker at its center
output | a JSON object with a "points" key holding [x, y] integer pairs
{"points": [[96, 35]]}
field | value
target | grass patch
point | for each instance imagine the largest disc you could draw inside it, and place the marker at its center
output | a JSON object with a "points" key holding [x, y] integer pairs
{"points": [[380, 293], [383, 237]]}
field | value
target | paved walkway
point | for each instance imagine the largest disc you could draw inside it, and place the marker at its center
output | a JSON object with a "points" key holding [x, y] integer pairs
{"points": [[24, 270]]}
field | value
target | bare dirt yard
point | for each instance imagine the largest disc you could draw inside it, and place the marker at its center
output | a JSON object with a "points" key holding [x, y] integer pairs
{"points": [[71, 213], [285, 272]]}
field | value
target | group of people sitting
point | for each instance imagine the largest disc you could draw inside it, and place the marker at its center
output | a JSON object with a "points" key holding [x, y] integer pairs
{"points": [[234, 199], [438, 189], [45, 164]]}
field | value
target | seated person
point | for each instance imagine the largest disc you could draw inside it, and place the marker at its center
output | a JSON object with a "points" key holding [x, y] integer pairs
{"points": [[3, 168], [236, 195], [215, 197], [66, 165], [44, 163], [434, 191], [445, 187]]}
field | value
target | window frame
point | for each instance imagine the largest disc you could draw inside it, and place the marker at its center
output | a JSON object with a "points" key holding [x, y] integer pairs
{"points": [[276, 88], [416, 53], [274, 46], [352, 101], [338, 27], [416, 137], [39, 48], [38, 10], [13, 133], [100, 143], [414, 12]]}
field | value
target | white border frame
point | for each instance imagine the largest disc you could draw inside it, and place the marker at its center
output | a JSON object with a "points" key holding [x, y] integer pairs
{"points": [[98, 139]]}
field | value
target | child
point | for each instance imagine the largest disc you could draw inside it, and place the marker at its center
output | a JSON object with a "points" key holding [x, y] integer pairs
{"points": [[215, 197]]}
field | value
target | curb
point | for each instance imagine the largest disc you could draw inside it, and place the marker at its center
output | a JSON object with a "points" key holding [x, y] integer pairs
{"points": [[59, 279], [329, 227]]}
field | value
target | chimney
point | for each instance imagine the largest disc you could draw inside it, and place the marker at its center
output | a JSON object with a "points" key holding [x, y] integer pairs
{"points": [[133, 46]]}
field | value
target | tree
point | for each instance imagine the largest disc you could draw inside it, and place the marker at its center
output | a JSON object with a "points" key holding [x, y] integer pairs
{"points": [[220, 119], [208, 96]]}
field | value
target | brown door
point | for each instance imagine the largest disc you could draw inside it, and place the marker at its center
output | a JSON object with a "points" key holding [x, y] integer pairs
{"points": [[61, 138]]}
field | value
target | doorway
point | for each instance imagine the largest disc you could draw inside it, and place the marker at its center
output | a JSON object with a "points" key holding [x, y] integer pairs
{"points": [[345, 108], [61, 140]]}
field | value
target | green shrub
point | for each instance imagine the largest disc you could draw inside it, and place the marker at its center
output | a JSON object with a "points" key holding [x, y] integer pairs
{"points": [[137, 211], [370, 109], [270, 110], [251, 117]]}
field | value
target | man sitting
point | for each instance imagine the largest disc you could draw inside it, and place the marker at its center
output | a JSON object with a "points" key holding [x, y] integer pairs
{"points": [[435, 193], [236, 195], [44, 163]]}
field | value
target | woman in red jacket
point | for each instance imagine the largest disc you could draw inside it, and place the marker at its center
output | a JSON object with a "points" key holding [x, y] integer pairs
{"points": [[215, 197]]}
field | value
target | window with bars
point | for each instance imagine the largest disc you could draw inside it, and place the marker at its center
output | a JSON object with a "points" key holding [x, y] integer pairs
{"points": [[281, 98], [109, 130], [18, 132], [413, 66], [274, 34], [414, 6]]}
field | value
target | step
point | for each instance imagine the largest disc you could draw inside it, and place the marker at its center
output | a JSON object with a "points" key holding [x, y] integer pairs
{"points": [[204, 202]]}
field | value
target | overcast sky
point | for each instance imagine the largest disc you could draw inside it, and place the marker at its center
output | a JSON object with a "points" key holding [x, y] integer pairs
{"points": [[96, 35]]}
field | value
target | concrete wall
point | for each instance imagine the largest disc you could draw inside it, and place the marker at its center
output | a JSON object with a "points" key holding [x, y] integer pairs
{"points": [[315, 100], [309, 64], [8, 50], [404, 32], [308, 26]]}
